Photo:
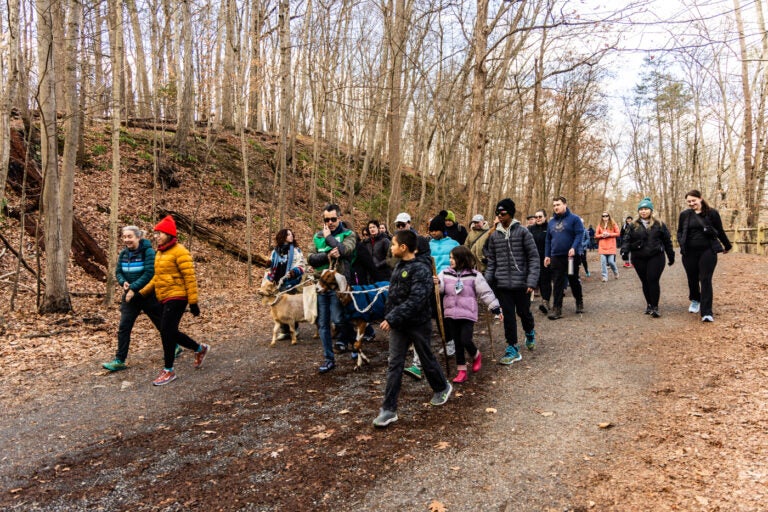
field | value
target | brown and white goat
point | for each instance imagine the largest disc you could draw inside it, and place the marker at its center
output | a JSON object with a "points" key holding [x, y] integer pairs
{"points": [[285, 308]]}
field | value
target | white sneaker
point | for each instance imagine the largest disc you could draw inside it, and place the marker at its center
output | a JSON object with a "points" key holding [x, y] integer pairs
{"points": [[707, 318], [450, 348], [694, 307]]}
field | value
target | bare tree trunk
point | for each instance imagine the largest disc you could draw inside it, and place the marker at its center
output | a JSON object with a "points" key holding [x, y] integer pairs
{"points": [[186, 101], [8, 93], [286, 93], [398, 36], [231, 44], [56, 298], [141, 60], [72, 123]]}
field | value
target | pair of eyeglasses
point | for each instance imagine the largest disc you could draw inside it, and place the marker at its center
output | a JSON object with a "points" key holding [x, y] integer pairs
{"points": [[399, 224]]}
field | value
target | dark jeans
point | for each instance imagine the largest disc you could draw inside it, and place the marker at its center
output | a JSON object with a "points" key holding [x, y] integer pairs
{"points": [[399, 341], [649, 271], [515, 301], [330, 310], [545, 282], [699, 268], [460, 331], [559, 266], [584, 262], [170, 333], [129, 312]]}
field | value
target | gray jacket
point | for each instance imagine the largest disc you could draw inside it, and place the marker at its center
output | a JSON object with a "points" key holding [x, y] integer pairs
{"points": [[513, 260]]}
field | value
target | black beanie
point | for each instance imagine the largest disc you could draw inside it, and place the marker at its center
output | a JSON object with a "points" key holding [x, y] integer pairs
{"points": [[506, 205], [437, 223]]}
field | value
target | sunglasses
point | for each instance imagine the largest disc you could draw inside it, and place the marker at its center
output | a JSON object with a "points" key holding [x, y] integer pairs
{"points": [[399, 224], [539, 216], [605, 216], [330, 219], [502, 213]]}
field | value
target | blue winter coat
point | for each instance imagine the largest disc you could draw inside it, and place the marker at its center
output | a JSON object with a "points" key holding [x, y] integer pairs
{"points": [[564, 232], [136, 266]]}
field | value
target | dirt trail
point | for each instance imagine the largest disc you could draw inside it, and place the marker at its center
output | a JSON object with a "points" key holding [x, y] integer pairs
{"points": [[258, 429]]}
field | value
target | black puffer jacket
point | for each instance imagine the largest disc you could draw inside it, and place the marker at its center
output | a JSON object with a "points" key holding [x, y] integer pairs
{"points": [[513, 261], [410, 288], [378, 248], [539, 232], [645, 243], [710, 220]]}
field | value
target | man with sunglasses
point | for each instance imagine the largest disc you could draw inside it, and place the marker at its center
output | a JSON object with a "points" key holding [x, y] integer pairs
{"points": [[565, 235], [334, 246], [512, 272]]}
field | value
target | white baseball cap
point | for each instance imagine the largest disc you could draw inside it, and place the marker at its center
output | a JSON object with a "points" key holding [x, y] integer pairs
{"points": [[478, 218], [403, 217]]}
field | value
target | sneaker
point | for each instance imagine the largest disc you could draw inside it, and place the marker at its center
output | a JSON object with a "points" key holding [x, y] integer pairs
{"points": [[178, 352], [556, 313], [115, 366], [511, 355], [694, 307], [589, 275], [200, 356], [164, 378], [341, 346], [327, 366], [441, 397], [579, 307], [450, 348], [413, 371], [544, 307], [627, 264], [460, 377], [384, 418], [707, 318], [615, 275], [655, 313], [648, 309], [530, 340], [478, 362], [604, 279]]}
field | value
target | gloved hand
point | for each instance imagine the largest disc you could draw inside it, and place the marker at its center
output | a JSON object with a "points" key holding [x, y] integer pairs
{"points": [[194, 309]]}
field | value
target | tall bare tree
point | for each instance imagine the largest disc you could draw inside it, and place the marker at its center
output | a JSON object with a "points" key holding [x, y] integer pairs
{"points": [[9, 68], [186, 100]]}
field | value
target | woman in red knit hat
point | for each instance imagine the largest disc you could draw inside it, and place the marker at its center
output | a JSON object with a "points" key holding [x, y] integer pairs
{"points": [[175, 286]]}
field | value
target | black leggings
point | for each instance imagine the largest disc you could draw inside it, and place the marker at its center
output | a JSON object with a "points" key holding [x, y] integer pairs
{"points": [[460, 331], [515, 301], [649, 271], [170, 333], [699, 266]]}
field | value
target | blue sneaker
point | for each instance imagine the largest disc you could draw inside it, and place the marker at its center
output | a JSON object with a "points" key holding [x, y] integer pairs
{"points": [[530, 340], [694, 307], [178, 352], [327, 366], [512, 355]]}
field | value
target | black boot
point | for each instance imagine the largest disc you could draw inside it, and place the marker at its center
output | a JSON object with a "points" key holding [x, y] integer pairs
{"points": [[556, 313], [579, 307]]}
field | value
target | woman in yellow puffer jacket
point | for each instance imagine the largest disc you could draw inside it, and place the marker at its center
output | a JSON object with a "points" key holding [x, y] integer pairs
{"points": [[175, 286]]}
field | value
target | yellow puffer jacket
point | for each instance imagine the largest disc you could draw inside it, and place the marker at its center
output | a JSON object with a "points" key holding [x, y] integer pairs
{"points": [[174, 276]]}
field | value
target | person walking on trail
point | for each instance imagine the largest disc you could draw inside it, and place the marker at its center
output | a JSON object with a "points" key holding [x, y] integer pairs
{"points": [[377, 246], [646, 241], [462, 286], [565, 233], [512, 273], [701, 237], [479, 230], [585, 249], [135, 268], [606, 234], [539, 232], [622, 234], [334, 247], [287, 267], [175, 285], [452, 228], [440, 247], [408, 320]]}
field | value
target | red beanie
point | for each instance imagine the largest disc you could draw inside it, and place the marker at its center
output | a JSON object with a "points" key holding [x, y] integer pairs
{"points": [[167, 226]]}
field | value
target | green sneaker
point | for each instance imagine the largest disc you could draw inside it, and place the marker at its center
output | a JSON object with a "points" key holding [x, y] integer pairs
{"points": [[511, 355], [115, 366], [413, 371], [178, 352], [530, 340]]}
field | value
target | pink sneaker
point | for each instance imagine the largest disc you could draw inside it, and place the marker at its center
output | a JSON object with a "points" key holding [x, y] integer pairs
{"points": [[478, 362], [460, 377], [200, 356], [164, 378]]}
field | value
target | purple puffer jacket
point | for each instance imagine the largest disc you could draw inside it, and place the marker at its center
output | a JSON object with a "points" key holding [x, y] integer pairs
{"points": [[463, 306]]}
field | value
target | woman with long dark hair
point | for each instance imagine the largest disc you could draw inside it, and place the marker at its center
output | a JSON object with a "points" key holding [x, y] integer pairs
{"points": [[701, 236]]}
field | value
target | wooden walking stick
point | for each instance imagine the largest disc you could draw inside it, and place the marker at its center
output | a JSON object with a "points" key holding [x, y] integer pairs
{"points": [[440, 325], [489, 319]]}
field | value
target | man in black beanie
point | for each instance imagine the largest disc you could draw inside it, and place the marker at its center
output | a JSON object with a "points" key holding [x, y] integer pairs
{"points": [[513, 272]]}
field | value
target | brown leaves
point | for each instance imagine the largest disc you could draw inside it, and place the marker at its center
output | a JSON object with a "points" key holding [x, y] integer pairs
{"points": [[437, 506]]}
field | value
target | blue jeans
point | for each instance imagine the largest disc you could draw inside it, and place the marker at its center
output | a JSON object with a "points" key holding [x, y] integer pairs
{"points": [[329, 309], [608, 260]]}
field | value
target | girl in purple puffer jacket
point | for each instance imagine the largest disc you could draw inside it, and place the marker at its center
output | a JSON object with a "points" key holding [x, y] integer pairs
{"points": [[461, 286]]}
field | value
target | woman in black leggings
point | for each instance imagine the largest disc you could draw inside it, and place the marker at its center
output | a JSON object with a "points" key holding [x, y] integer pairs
{"points": [[701, 236], [647, 239]]}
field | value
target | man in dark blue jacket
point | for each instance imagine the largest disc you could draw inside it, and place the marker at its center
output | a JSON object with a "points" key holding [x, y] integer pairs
{"points": [[565, 233]]}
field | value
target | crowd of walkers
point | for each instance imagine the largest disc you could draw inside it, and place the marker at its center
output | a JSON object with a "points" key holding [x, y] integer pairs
{"points": [[438, 277]]}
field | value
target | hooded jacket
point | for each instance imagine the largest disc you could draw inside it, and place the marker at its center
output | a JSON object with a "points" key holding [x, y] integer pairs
{"points": [[410, 288], [645, 243], [463, 305], [564, 232], [513, 260], [174, 277]]}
